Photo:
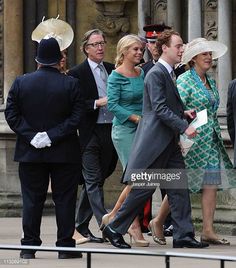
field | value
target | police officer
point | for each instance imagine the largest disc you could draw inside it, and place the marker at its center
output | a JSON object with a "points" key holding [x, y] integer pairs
{"points": [[44, 109], [152, 32]]}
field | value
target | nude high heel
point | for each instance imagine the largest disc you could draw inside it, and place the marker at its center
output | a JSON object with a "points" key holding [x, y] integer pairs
{"points": [[138, 242], [135, 241], [79, 238], [105, 221]]}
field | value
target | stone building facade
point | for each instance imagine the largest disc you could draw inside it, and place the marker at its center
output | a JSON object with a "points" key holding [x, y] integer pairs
{"points": [[213, 19]]}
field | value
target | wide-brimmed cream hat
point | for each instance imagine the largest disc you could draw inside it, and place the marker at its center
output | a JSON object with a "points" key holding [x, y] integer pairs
{"points": [[58, 29], [201, 45]]}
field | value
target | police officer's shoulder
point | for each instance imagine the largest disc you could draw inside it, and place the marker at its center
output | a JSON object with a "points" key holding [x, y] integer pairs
{"points": [[26, 75]]}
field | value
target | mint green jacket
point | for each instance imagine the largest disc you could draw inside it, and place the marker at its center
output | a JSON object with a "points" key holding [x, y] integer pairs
{"points": [[125, 97]]}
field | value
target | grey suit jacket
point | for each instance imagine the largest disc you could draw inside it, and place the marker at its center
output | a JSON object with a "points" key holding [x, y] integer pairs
{"points": [[162, 120]]}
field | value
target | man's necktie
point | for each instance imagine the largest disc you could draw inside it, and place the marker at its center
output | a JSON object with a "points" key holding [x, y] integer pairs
{"points": [[173, 76], [103, 73]]}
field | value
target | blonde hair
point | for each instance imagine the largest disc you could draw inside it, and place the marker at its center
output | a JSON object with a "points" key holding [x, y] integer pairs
{"points": [[123, 45]]}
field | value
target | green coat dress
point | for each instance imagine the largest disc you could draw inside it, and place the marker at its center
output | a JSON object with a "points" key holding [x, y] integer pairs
{"points": [[125, 97], [207, 159]]}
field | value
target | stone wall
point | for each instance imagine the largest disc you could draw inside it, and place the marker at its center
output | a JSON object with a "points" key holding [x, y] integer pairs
{"points": [[113, 25]]}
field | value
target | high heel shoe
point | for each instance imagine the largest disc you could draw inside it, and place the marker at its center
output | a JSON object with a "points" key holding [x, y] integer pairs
{"points": [[138, 242], [105, 221], [159, 240], [135, 241], [79, 238]]}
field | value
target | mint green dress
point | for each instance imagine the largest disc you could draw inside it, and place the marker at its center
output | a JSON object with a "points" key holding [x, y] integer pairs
{"points": [[125, 97], [207, 160]]}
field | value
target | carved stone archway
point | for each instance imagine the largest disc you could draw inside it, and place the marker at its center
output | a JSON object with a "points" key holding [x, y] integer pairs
{"points": [[112, 20]]}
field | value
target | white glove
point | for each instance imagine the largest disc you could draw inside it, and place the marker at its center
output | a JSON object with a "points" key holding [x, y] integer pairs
{"points": [[41, 140], [34, 141]]}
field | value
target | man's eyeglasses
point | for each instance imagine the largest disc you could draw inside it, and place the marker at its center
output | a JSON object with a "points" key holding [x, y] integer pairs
{"points": [[97, 44]]}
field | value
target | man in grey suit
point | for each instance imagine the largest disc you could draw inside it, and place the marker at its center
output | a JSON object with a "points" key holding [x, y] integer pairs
{"points": [[156, 147]]}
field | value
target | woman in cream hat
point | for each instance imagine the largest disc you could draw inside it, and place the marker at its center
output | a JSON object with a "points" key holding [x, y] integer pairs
{"points": [[207, 155], [201, 45], [58, 29]]}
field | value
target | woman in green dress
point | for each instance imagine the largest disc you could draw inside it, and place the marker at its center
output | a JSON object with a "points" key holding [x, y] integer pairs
{"points": [[125, 97], [207, 157]]}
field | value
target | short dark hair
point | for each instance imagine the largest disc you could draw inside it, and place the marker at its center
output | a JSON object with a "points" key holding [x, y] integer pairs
{"points": [[87, 36], [164, 39]]}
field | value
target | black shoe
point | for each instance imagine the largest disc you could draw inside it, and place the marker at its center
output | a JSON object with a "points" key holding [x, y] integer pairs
{"points": [[91, 237], [189, 242], [149, 233], [168, 231], [27, 255], [70, 255], [115, 238], [105, 240]]}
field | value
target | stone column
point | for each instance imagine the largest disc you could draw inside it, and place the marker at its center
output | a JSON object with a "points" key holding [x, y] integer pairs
{"points": [[225, 62], [71, 19], [194, 19], [42, 10], [143, 13], [174, 14], [13, 42], [29, 24], [13, 66]]}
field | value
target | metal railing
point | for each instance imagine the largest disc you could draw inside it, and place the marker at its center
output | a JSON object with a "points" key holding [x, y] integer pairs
{"points": [[89, 251]]}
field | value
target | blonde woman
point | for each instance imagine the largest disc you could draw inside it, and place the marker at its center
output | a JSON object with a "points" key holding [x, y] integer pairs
{"points": [[125, 96]]}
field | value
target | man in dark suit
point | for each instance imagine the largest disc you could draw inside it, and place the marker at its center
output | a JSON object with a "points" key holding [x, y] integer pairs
{"points": [[231, 114], [98, 153], [44, 109], [151, 35], [156, 147]]}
